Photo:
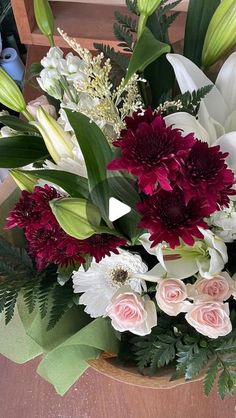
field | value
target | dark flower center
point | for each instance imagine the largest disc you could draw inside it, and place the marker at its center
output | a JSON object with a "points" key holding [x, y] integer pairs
{"points": [[203, 163], [172, 210], [120, 275], [149, 147]]}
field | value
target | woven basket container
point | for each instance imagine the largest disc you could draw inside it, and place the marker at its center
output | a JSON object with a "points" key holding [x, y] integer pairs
{"points": [[108, 366]]}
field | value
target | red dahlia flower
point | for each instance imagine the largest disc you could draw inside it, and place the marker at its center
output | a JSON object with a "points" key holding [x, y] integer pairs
{"points": [[205, 173], [168, 217], [151, 151]]}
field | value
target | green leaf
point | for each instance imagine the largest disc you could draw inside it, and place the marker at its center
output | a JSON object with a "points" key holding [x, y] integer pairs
{"points": [[73, 184], [17, 124], [197, 362], [210, 377], [62, 300], [199, 16], [97, 153], [225, 384], [34, 69], [147, 50], [21, 150], [64, 273]]}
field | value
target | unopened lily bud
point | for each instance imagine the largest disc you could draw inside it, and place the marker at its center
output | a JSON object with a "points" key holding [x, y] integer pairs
{"points": [[77, 217], [146, 8], [10, 94], [44, 18], [221, 33], [58, 142], [25, 181]]}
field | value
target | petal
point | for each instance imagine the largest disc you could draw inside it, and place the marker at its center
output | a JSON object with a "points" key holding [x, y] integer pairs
{"points": [[230, 123], [226, 81], [190, 78], [188, 124], [227, 143]]}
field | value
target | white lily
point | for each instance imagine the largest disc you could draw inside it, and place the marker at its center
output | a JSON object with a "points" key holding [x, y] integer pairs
{"points": [[207, 256], [63, 147], [216, 122]]}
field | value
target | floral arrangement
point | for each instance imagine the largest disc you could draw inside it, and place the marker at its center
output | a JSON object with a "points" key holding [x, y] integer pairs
{"points": [[149, 128]]}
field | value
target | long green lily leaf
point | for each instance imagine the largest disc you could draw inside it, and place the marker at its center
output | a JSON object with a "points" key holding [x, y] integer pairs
{"points": [[21, 150], [97, 153], [199, 16], [17, 124], [73, 184], [147, 50]]}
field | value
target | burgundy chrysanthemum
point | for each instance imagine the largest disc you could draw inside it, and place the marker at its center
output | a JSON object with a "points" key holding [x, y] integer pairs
{"points": [[169, 218], [33, 209], [100, 245], [151, 151], [47, 242], [205, 173]]}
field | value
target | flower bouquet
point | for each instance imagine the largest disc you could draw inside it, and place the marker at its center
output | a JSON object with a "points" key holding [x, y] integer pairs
{"points": [[127, 176]]}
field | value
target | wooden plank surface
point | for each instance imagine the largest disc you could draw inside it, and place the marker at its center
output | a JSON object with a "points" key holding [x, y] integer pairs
{"points": [[25, 395]]}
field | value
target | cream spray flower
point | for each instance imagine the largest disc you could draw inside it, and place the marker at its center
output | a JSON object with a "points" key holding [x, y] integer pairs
{"points": [[208, 256], [130, 312], [102, 280]]}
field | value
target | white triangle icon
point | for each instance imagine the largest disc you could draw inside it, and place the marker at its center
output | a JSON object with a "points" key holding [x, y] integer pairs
{"points": [[117, 209]]}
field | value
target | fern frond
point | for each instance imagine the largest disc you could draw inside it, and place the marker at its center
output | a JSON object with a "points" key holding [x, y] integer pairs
{"points": [[124, 35], [116, 58], [126, 21], [62, 300], [132, 6]]}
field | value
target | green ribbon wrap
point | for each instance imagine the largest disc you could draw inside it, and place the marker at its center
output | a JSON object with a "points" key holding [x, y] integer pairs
{"points": [[66, 348]]}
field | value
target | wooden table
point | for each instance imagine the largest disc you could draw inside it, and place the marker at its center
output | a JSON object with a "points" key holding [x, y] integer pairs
{"points": [[25, 395]]}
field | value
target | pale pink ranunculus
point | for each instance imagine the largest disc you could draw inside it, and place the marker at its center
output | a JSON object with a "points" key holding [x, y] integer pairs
{"points": [[44, 103], [210, 318], [130, 312], [218, 288], [171, 296]]}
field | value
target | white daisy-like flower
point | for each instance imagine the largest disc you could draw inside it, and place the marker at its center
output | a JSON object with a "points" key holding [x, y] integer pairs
{"points": [[103, 279]]}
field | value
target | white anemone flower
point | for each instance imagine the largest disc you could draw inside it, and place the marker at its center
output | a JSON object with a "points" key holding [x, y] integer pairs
{"points": [[207, 256], [99, 284], [216, 122]]}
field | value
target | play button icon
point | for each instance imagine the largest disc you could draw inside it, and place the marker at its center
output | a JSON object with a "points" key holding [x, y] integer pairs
{"points": [[117, 209]]}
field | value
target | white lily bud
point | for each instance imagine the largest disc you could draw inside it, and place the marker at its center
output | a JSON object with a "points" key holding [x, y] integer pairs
{"points": [[58, 142]]}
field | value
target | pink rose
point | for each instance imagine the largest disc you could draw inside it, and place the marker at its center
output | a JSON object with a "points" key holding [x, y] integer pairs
{"points": [[218, 288], [129, 312], [171, 295], [44, 103], [210, 318]]}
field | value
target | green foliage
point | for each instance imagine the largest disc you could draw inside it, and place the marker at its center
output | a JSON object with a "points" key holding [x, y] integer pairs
{"points": [[174, 342], [198, 18], [132, 6], [21, 150], [123, 34], [160, 69], [146, 51], [190, 101], [117, 58], [18, 276], [73, 184], [18, 125]]}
